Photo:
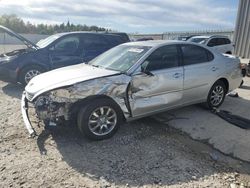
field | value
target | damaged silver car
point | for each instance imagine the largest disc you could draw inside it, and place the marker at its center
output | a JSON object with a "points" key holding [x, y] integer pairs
{"points": [[131, 81]]}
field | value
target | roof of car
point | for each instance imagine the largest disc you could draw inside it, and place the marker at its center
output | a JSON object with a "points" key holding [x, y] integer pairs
{"points": [[84, 32], [209, 36], [198, 37], [153, 43]]}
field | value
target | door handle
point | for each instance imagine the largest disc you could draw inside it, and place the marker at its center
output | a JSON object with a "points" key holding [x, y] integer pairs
{"points": [[177, 75], [214, 68]]}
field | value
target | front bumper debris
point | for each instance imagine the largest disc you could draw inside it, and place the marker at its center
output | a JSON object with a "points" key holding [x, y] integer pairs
{"points": [[24, 109]]}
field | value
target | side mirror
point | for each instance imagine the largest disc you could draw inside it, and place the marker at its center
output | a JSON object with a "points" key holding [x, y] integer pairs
{"points": [[144, 69], [148, 73], [145, 72]]}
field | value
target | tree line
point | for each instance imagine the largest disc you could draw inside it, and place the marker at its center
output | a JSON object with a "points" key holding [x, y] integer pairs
{"points": [[16, 24]]}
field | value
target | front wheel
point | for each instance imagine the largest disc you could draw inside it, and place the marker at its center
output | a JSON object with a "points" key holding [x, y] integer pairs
{"points": [[216, 95], [28, 73], [99, 119]]}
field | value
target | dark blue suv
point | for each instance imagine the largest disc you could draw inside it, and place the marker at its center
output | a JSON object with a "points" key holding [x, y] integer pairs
{"points": [[56, 51]]}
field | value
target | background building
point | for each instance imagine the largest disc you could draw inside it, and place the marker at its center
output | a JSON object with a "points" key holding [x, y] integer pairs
{"points": [[242, 30]]}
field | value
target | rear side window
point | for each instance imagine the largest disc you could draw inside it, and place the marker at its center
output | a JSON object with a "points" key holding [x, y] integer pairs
{"points": [[221, 41], [163, 58], [114, 40], [195, 54], [227, 41], [218, 42], [92, 42], [213, 42]]}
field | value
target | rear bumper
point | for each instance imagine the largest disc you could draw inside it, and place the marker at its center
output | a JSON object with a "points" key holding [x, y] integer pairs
{"points": [[24, 109], [8, 75]]}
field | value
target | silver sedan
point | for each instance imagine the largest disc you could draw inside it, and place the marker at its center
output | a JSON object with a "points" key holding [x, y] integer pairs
{"points": [[131, 81]]}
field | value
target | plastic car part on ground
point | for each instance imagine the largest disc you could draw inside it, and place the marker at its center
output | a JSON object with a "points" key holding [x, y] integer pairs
{"points": [[233, 119]]}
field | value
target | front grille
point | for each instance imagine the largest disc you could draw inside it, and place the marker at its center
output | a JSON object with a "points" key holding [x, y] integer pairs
{"points": [[29, 96]]}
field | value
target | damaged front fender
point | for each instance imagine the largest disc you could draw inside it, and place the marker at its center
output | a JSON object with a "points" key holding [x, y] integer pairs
{"points": [[60, 101]]}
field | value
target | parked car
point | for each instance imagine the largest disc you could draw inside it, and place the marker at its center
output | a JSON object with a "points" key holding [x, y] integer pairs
{"points": [[145, 39], [185, 38], [220, 43], [56, 51], [131, 81]]}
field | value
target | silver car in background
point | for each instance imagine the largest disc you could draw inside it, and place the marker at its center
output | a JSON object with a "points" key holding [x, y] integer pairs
{"points": [[131, 81]]}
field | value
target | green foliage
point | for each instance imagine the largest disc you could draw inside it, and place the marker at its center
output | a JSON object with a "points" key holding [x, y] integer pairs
{"points": [[16, 24]]}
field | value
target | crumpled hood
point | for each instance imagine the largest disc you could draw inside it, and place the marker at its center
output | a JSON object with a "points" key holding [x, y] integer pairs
{"points": [[65, 77]]}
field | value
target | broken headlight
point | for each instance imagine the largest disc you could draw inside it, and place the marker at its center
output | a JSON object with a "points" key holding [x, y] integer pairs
{"points": [[42, 102]]}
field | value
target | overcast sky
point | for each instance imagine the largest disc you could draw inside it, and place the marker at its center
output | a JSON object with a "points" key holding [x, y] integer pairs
{"points": [[143, 16]]}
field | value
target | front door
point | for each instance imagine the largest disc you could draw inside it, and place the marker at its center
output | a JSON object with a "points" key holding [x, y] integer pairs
{"points": [[160, 85], [67, 51]]}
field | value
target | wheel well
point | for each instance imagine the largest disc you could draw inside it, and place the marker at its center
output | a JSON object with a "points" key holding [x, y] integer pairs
{"points": [[74, 109], [224, 80], [28, 66]]}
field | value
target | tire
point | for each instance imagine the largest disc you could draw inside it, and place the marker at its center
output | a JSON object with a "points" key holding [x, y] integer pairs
{"points": [[94, 125], [216, 95], [26, 73]]}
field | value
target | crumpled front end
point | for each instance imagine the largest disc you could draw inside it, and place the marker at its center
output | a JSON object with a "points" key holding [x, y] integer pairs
{"points": [[62, 103]]}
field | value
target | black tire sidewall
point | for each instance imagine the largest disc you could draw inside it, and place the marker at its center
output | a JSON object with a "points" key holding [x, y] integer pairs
{"points": [[25, 70], [85, 112], [210, 106]]}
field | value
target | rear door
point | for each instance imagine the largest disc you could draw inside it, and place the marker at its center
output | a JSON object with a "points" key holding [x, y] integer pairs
{"points": [[66, 51], [200, 69], [162, 87]]}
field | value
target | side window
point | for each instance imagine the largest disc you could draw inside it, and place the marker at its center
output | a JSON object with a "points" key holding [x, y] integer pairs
{"points": [[194, 54], [113, 40], [212, 42], [67, 44], [163, 58], [92, 42], [221, 41]]}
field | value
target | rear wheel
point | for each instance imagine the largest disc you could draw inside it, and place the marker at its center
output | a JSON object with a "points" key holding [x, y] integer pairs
{"points": [[216, 95], [99, 119], [28, 73]]}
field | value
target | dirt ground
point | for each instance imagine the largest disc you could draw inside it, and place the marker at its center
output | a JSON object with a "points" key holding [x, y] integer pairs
{"points": [[144, 153]]}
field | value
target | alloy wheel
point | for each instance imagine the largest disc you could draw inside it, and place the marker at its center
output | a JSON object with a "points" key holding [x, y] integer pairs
{"points": [[102, 121], [31, 74], [217, 95]]}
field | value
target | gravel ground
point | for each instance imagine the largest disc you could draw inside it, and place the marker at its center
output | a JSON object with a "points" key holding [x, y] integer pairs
{"points": [[145, 153]]}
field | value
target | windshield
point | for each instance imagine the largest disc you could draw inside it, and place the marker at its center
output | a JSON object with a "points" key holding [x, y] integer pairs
{"points": [[120, 58], [198, 40], [45, 42]]}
